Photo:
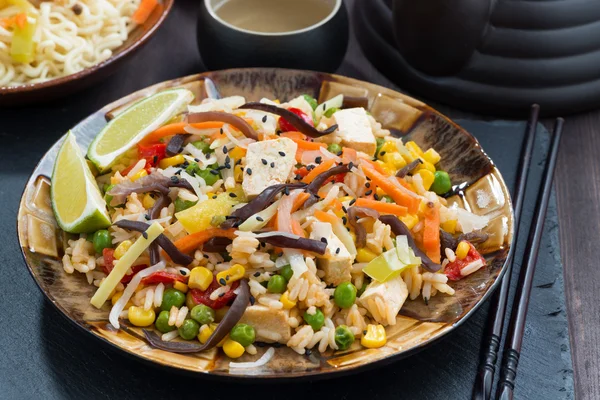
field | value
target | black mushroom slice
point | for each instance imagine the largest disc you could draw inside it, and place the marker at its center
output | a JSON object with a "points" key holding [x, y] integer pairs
{"points": [[399, 228], [216, 244], [294, 120], [160, 201], [355, 101], [354, 213], [315, 185], [408, 168], [233, 120], [175, 145], [474, 237], [163, 241], [300, 243], [154, 182], [258, 204], [231, 318], [447, 241]]}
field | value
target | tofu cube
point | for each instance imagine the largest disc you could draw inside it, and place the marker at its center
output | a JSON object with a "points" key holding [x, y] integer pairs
{"points": [[268, 163], [270, 325], [355, 130], [337, 260], [392, 293]]}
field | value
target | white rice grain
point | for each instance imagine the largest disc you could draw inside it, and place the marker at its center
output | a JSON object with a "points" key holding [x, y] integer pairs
{"points": [[158, 294], [149, 301], [472, 267], [173, 312], [183, 312], [450, 255], [167, 337]]}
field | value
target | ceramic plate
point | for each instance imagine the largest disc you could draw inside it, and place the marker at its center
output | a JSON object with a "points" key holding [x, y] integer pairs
{"points": [[481, 190], [66, 85]]}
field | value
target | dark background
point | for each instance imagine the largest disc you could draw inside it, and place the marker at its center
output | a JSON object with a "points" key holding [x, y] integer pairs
{"points": [[45, 356]]}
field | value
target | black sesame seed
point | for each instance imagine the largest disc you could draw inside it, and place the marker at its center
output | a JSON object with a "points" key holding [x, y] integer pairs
{"points": [[232, 195], [368, 192], [265, 162], [324, 105], [227, 166], [344, 209], [282, 154], [298, 177], [197, 159], [175, 179], [364, 332], [248, 171], [225, 150], [368, 184], [344, 220], [222, 294], [178, 172], [214, 171], [350, 165], [147, 217], [286, 191], [310, 167], [308, 352], [259, 218], [252, 300], [264, 119], [227, 277], [339, 153], [376, 197], [182, 272], [221, 131], [222, 282], [145, 235], [227, 160], [272, 164], [256, 274], [324, 240], [352, 201], [221, 167], [382, 153], [206, 256], [238, 162], [319, 160], [337, 251], [155, 159], [214, 196]]}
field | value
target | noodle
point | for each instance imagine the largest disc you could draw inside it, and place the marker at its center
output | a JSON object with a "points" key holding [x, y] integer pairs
{"points": [[67, 43]]}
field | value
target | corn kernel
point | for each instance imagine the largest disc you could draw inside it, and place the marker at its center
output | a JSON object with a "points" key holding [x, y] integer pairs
{"points": [[182, 287], [237, 153], [409, 220], [233, 349], [140, 317], [122, 249], [427, 177], [449, 226], [389, 147], [148, 201], [200, 278], [394, 160], [238, 173], [345, 198], [171, 161], [375, 337], [432, 156], [414, 148], [234, 273], [365, 255], [206, 332], [426, 165], [285, 300], [462, 250], [386, 168], [140, 174], [379, 192]]}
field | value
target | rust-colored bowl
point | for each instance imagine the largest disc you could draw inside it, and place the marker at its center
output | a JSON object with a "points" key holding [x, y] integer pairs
{"points": [[482, 190], [63, 86]]}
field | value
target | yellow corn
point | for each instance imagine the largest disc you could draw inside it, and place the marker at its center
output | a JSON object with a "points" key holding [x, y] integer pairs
{"points": [[345, 198], [122, 249], [182, 287], [380, 193], [364, 255], [115, 297], [409, 220], [389, 147], [427, 177], [426, 166], [234, 273], [432, 156], [375, 337], [206, 332], [339, 213], [394, 160], [171, 161], [449, 226], [237, 153], [148, 201], [385, 167], [414, 148], [140, 317], [233, 349], [238, 173], [462, 250], [200, 278], [285, 300], [140, 174]]}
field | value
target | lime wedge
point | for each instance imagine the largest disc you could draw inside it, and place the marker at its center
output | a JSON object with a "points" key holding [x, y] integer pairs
{"points": [[129, 127], [76, 200]]}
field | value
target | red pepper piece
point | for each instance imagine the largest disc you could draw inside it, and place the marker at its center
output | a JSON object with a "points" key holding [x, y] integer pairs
{"points": [[109, 264], [302, 172], [285, 126], [162, 277], [453, 269], [152, 154], [203, 297]]}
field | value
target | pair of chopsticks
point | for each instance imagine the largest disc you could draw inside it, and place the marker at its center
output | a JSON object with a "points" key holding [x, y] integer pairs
{"points": [[482, 389]]}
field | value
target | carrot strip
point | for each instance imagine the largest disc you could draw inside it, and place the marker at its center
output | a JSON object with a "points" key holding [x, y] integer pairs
{"points": [[396, 193], [303, 144], [297, 229], [431, 232], [294, 135], [385, 208], [21, 20], [325, 217], [349, 156], [324, 166], [144, 10], [191, 242], [376, 166], [177, 127], [299, 201]]}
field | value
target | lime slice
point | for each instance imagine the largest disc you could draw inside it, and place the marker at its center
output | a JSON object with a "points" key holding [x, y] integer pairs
{"points": [[76, 200], [129, 127]]}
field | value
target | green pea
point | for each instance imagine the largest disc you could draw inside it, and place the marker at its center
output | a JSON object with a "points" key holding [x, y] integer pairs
{"points": [[277, 284], [162, 322], [208, 176], [315, 320], [203, 314], [192, 169], [343, 337], [380, 142], [101, 240], [181, 204], [189, 329], [287, 272], [362, 289], [172, 297], [388, 199], [344, 295], [334, 148], [202, 145], [311, 100], [243, 334], [441, 183], [331, 111]]}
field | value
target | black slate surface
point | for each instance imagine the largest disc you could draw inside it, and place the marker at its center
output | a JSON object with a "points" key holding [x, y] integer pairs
{"points": [[42, 355]]}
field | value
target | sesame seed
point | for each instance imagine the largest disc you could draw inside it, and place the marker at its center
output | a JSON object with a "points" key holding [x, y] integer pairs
{"points": [[368, 192], [155, 159], [337, 251], [286, 191], [175, 179], [344, 209], [222, 282], [376, 197], [222, 294], [264, 119], [364, 332], [248, 171], [382, 153], [178, 172], [232, 195], [252, 300], [214, 196], [368, 184], [147, 217], [145, 235], [272, 164], [319, 160], [264, 161], [225, 150], [197, 159], [227, 160], [352, 201], [339, 153], [238, 162], [324, 240], [350, 165], [259, 218], [282, 154], [256, 274], [344, 220], [310, 167], [221, 131], [182, 272], [214, 171], [298, 177]]}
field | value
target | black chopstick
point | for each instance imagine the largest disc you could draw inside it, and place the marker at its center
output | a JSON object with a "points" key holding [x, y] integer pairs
{"points": [[482, 390], [514, 340]]}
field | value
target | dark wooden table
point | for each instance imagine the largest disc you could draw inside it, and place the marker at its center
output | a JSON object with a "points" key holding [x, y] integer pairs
{"points": [[577, 180]]}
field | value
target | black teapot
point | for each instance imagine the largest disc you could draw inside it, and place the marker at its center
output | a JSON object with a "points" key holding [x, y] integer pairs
{"points": [[494, 56]]}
